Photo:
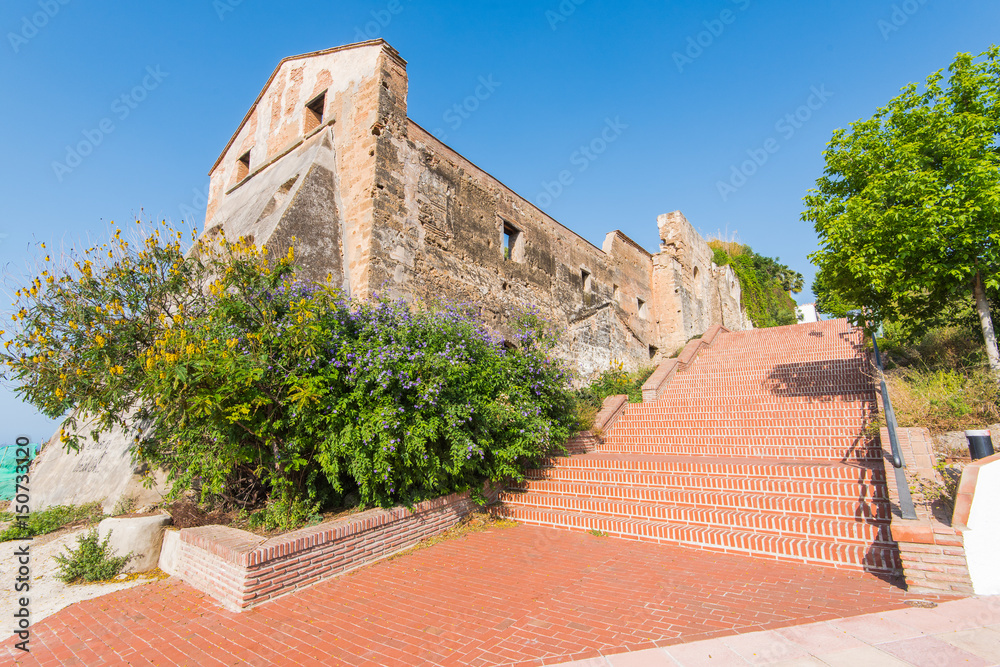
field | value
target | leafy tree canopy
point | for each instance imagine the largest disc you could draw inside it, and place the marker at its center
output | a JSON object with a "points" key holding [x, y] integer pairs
{"points": [[908, 208]]}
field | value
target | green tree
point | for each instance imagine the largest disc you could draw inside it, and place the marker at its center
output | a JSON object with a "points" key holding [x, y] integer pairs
{"points": [[908, 208]]}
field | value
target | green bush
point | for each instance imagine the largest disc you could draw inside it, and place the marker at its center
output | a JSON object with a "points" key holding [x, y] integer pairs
{"points": [[616, 380], [240, 380], [940, 379], [92, 560], [944, 399], [284, 514], [50, 520]]}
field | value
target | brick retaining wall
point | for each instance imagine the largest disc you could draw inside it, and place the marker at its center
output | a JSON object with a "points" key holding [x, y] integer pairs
{"points": [[241, 570], [930, 547], [657, 382]]}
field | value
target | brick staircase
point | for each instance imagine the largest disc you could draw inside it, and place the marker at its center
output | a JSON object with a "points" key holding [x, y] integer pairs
{"points": [[757, 447]]}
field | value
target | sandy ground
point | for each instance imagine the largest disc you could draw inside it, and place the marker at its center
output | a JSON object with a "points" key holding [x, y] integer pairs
{"points": [[48, 594]]}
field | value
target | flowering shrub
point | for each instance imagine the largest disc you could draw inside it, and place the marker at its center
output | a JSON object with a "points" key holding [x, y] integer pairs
{"points": [[242, 381]]}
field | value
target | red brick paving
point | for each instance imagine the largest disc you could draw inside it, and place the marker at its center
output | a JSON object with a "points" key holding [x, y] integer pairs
{"points": [[524, 595]]}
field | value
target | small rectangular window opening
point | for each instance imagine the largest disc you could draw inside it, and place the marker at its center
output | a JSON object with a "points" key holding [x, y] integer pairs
{"points": [[585, 279], [511, 237], [616, 294], [243, 166], [314, 112], [652, 351], [642, 307]]}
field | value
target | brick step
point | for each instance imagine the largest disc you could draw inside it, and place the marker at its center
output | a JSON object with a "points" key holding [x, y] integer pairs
{"points": [[741, 419], [805, 360], [868, 486], [734, 499], [729, 432], [840, 529], [685, 401], [783, 452], [808, 415], [712, 466], [705, 369], [758, 393], [741, 439], [877, 558], [666, 407], [582, 443]]}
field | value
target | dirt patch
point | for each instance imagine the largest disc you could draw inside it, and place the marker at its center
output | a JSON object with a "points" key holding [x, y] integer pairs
{"points": [[187, 514]]}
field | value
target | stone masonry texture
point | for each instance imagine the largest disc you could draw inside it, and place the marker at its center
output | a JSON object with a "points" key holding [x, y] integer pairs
{"points": [[381, 206]]}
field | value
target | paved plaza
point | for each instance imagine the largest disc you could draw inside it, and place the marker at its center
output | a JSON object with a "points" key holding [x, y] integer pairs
{"points": [[520, 595]]}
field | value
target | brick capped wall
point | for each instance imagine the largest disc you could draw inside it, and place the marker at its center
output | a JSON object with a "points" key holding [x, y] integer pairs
{"points": [[930, 547], [242, 570]]}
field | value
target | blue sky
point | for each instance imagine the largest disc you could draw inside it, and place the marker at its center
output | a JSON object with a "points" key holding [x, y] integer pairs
{"points": [[694, 90]]}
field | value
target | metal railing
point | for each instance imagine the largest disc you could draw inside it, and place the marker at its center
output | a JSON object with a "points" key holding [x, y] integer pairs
{"points": [[898, 464]]}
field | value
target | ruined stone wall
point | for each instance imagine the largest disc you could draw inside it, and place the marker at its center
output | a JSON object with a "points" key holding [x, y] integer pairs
{"points": [[440, 231], [376, 202], [316, 185], [691, 292]]}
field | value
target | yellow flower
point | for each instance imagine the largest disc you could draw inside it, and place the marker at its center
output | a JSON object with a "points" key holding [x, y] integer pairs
{"points": [[100, 340]]}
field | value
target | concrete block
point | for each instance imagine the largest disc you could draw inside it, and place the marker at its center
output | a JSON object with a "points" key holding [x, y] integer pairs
{"points": [[142, 536]]}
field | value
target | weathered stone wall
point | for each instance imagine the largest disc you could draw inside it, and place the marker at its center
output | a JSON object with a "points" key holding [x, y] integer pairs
{"points": [[374, 200], [440, 230], [691, 292], [316, 185], [101, 471]]}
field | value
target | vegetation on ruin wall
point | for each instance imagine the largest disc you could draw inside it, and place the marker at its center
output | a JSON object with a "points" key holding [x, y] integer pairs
{"points": [[253, 387], [764, 282]]}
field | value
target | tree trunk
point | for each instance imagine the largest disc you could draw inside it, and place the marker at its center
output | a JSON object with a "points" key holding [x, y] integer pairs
{"points": [[983, 308]]}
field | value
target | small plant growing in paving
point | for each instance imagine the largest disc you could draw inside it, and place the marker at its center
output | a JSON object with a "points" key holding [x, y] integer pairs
{"points": [[92, 560]]}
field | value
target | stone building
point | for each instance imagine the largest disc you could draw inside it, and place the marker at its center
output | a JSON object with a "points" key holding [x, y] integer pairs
{"points": [[327, 154]]}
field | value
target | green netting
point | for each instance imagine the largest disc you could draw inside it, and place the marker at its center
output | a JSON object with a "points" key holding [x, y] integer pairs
{"points": [[8, 468]]}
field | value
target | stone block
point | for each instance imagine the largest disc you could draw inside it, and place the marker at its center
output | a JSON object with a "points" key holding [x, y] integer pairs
{"points": [[142, 536]]}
